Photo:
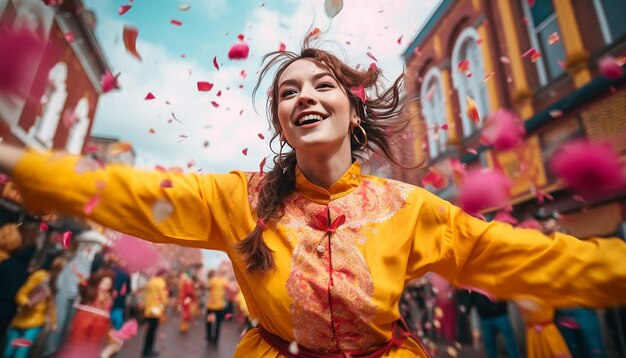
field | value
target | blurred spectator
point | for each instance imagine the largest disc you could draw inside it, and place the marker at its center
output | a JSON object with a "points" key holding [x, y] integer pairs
{"points": [[494, 319], [156, 298]]}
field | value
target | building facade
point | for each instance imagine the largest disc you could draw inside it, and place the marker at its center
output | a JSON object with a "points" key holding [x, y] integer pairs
{"points": [[539, 60]]}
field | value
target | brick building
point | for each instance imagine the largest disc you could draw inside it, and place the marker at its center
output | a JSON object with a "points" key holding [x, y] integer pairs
{"points": [[558, 93]]}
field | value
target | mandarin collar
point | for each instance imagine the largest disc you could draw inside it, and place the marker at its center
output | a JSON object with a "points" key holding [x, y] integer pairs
{"points": [[349, 181]]}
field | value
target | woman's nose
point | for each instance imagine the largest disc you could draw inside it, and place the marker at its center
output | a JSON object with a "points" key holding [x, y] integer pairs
{"points": [[307, 99]]}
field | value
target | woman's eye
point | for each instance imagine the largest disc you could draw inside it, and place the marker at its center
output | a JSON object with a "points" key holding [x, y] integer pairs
{"points": [[325, 85], [287, 93]]}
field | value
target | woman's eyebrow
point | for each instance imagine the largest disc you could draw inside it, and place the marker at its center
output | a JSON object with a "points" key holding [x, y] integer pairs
{"points": [[293, 82]]}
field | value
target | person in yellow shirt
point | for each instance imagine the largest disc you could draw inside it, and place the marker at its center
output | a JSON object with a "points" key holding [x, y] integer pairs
{"points": [[155, 302], [36, 307], [321, 250], [217, 287], [543, 339]]}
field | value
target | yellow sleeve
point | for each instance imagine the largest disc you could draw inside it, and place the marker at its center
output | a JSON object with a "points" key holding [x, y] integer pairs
{"points": [[205, 210], [32, 281], [515, 263]]}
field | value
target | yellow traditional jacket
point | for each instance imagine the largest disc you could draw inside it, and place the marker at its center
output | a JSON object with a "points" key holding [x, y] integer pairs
{"points": [[155, 298], [216, 297], [335, 287]]}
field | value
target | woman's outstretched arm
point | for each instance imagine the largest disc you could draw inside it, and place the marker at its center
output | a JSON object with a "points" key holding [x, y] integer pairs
{"points": [[9, 156]]}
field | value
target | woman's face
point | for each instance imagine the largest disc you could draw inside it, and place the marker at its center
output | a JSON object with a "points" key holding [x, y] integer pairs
{"points": [[105, 284], [313, 108]]}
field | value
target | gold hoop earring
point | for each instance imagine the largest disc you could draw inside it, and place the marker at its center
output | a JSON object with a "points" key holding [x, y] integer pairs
{"points": [[362, 143]]}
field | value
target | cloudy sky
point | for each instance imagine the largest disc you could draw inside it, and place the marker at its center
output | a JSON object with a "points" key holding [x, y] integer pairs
{"points": [[181, 127]]}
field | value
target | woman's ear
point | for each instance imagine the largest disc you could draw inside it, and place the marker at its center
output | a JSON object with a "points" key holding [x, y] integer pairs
{"points": [[355, 120]]}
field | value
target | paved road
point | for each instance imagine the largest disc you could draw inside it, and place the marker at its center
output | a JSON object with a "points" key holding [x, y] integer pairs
{"points": [[172, 344]]}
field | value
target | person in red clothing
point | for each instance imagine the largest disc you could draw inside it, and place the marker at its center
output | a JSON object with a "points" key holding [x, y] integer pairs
{"points": [[186, 297], [92, 321]]}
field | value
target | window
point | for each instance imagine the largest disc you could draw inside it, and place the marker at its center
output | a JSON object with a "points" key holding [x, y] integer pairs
{"points": [[51, 105], [469, 83], [611, 17], [78, 132], [434, 111], [542, 23]]}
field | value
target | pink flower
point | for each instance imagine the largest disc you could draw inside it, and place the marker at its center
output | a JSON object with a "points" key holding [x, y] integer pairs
{"points": [[484, 189], [503, 129], [591, 169], [609, 68], [18, 50], [239, 51]]}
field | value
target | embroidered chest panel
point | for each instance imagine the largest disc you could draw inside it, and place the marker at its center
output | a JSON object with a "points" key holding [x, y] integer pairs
{"points": [[330, 284]]}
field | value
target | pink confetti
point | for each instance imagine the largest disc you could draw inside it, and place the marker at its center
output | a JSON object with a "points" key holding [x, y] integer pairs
{"points": [[215, 104], [567, 323], [204, 86], [124, 9], [22, 47], [239, 51], [282, 47], [261, 165], [21, 342], [149, 96], [434, 178], [219, 93], [472, 151], [176, 22], [471, 110], [463, 66], [130, 41], [359, 92], [241, 37], [243, 73], [108, 82], [399, 40], [215, 64], [91, 204], [370, 55], [610, 68], [503, 129], [43, 226], [591, 169], [553, 38], [483, 189], [479, 41], [69, 37], [505, 217], [245, 151], [151, 131], [261, 136], [533, 54], [505, 59], [444, 127], [166, 183], [65, 239]]}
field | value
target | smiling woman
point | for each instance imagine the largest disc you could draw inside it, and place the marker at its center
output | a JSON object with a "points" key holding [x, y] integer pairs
{"points": [[322, 251]]}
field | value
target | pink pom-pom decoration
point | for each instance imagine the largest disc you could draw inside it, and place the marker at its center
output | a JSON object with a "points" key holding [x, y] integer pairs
{"points": [[483, 189], [610, 68], [503, 129]]}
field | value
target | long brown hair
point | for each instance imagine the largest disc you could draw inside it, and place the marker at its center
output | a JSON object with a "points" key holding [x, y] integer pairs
{"points": [[380, 118], [89, 290]]}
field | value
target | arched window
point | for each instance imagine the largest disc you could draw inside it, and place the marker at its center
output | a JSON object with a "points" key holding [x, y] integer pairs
{"points": [[78, 132], [542, 23], [52, 103], [434, 111], [471, 82], [612, 24]]}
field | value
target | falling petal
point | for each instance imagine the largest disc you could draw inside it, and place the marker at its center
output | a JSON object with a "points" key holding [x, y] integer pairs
{"points": [[108, 82], [215, 104], [610, 68], [463, 66], [488, 76], [567, 322], [532, 53], [479, 41], [175, 22], [166, 183], [240, 37], [282, 47], [261, 136], [505, 217], [261, 165], [483, 189], [149, 96], [69, 37], [316, 33], [215, 63], [124, 9], [333, 7], [219, 93], [472, 151], [66, 237], [472, 110], [184, 7], [370, 55], [503, 129], [505, 59], [553, 38], [555, 113], [204, 86], [245, 151], [435, 179], [399, 40], [359, 92], [243, 73], [18, 50], [130, 41], [444, 127], [43, 226], [239, 51], [91, 204], [591, 169], [21, 342], [161, 210]]}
